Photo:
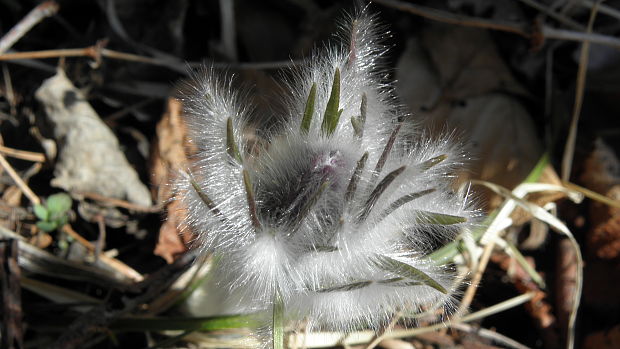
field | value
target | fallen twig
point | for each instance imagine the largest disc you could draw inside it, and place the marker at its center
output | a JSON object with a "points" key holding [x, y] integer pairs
{"points": [[96, 52], [115, 264], [119, 203], [36, 15]]}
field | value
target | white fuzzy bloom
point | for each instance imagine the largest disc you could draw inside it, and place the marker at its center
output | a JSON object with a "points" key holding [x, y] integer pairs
{"points": [[338, 210]]}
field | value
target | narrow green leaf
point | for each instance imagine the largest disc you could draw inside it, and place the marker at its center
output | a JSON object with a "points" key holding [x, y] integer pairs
{"points": [[185, 323], [41, 212], [427, 217], [249, 190], [344, 288], [405, 270], [278, 321], [355, 177], [59, 203], [332, 110], [309, 110], [404, 200], [231, 145], [379, 189]]}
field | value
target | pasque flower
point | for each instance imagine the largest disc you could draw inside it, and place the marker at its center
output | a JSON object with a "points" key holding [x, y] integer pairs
{"points": [[330, 217]]}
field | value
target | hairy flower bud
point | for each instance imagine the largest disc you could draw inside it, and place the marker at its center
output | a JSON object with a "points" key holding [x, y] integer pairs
{"points": [[333, 216]]}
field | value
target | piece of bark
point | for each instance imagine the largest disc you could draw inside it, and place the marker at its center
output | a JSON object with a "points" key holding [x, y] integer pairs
{"points": [[609, 339], [90, 159], [602, 175], [11, 332], [538, 307]]}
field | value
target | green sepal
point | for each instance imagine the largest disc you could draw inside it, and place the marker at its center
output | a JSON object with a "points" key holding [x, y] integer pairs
{"points": [[395, 266], [347, 287], [427, 217], [309, 110], [332, 110], [231, 145]]}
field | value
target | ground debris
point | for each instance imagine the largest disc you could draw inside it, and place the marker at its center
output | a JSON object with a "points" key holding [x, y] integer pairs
{"points": [[90, 158]]}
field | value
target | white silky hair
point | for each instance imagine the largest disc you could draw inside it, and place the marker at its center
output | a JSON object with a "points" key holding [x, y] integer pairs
{"points": [[314, 213]]}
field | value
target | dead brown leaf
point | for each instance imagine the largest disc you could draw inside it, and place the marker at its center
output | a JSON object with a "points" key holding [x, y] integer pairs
{"points": [[169, 157]]}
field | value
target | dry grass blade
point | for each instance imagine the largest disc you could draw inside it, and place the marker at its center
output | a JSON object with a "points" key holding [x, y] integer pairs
{"points": [[592, 195], [569, 148], [331, 339], [541, 214]]}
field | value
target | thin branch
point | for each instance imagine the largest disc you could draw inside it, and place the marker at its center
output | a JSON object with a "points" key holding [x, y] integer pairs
{"points": [[22, 154], [114, 263], [544, 32], [19, 182], [602, 8], [118, 202], [10, 93], [570, 35], [96, 52], [447, 17], [36, 15], [557, 16]]}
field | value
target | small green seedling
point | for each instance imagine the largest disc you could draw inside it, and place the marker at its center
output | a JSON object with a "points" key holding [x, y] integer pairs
{"points": [[54, 214]]}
